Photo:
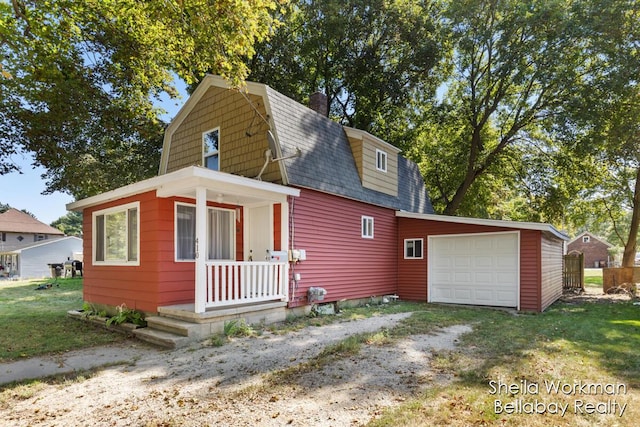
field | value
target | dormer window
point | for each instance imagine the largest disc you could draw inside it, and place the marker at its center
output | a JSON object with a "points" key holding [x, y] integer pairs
{"points": [[381, 160], [210, 141]]}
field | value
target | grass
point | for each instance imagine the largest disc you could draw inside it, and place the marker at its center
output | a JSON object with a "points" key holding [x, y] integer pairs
{"points": [[34, 322], [593, 277], [592, 342]]}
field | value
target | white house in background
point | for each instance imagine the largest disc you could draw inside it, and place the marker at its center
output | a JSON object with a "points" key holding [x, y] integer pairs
{"points": [[31, 260], [27, 246]]}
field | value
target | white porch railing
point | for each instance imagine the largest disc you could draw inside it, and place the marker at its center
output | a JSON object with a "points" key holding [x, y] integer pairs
{"points": [[232, 283]]}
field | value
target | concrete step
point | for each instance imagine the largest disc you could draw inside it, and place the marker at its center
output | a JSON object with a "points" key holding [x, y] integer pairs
{"points": [[174, 326], [162, 338]]}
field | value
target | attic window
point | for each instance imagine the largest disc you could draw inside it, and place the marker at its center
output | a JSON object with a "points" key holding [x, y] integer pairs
{"points": [[585, 239], [210, 141], [381, 160]]}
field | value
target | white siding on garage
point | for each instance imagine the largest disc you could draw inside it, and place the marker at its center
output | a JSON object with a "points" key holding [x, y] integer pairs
{"points": [[478, 269], [33, 261]]}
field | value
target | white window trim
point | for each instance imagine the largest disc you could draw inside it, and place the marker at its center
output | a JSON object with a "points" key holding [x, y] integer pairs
{"points": [[381, 155], [206, 244], [586, 239], [175, 230], [211, 153], [365, 219], [112, 210], [232, 230], [421, 240]]}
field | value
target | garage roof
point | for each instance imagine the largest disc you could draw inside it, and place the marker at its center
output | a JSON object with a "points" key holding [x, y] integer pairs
{"points": [[541, 226]]}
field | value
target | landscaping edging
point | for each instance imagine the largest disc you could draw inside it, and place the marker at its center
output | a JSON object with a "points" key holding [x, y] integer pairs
{"points": [[123, 328]]}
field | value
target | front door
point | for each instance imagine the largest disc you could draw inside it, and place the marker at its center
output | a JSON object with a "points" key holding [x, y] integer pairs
{"points": [[258, 233]]}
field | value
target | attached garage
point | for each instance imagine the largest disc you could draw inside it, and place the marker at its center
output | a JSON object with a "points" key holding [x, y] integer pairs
{"points": [[480, 262]]}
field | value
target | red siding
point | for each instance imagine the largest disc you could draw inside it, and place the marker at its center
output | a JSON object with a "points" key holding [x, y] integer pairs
{"points": [[412, 274], [158, 280], [338, 258], [277, 227]]}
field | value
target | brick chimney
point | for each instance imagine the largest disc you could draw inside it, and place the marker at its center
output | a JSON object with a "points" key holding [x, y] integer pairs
{"points": [[318, 103]]}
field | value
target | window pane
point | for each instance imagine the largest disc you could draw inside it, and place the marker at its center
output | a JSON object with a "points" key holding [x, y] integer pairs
{"points": [[116, 236], [221, 236], [133, 235], [211, 162], [418, 249], [99, 237], [410, 249], [185, 232], [211, 142]]}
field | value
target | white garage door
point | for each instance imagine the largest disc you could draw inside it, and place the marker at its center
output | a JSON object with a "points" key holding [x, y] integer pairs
{"points": [[478, 269]]}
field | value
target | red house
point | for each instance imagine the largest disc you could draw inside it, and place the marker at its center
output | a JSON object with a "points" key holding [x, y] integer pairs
{"points": [[263, 205]]}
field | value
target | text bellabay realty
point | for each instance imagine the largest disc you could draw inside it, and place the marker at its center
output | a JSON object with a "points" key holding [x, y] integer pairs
{"points": [[579, 389]]}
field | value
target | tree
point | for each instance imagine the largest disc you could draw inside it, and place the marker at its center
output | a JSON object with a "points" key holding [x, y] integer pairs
{"points": [[513, 64], [602, 121], [78, 79], [372, 58], [70, 224]]}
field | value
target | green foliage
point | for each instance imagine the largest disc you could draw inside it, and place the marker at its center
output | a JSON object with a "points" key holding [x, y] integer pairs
{"points": [[79, 79], [373, 59], [70, 224], [237, 328], [126, 315]]}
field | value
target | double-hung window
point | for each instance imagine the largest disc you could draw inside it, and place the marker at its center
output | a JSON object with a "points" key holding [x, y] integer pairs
{"points": [[116, 235], [367, 227], [210, 149], [220, 233], [381, 160]]}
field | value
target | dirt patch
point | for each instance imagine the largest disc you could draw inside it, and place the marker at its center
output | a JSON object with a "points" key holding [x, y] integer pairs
{"points": [[233, 384], [595, 295]]}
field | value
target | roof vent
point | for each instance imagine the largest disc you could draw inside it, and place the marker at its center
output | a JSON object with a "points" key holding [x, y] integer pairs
{"points": [[318, 103]]}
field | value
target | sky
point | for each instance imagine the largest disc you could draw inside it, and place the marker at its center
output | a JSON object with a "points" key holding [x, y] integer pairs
{"points": [[24, 191]]}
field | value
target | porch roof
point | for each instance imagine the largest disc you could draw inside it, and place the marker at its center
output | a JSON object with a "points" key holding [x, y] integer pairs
{"points": [[222, 187]]}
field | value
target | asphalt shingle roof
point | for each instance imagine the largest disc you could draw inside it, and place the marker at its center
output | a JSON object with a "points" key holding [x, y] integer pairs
{"points": [[15, 221], [327, 162]]}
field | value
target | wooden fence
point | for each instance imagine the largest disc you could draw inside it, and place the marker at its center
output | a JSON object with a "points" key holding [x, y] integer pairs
{"points": [[573, 272]]}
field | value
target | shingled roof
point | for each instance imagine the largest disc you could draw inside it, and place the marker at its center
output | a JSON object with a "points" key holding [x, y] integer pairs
{"points": [[15, 221], [326, 162]]}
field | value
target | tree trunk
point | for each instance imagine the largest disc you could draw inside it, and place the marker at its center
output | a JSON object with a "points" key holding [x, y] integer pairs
{"points": [[629, 256]]}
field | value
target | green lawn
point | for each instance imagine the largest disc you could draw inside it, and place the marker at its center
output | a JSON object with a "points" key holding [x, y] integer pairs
{"points": [[34, 322], [595, 343], [593, 277]]}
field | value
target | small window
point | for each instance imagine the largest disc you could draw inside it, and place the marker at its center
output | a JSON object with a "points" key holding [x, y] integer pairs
{"points": [[210, 147], [381, 160], [585, 239], [413, 248], [367, 227], [115, 235]]}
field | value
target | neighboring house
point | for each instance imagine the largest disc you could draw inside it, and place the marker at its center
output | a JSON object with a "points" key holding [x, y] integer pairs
{"points": [[32, 260], [260, 200], [595, 250], [19, 230]]}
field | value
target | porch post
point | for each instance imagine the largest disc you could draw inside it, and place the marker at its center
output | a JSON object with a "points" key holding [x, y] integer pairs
{"points": [[201, 250], [284, 238]]}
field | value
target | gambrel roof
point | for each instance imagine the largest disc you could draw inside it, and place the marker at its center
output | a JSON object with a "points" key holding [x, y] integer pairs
{"points": [[326, 162]]}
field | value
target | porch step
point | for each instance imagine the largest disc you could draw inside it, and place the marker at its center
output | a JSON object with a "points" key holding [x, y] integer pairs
{"points": [[172, 325], [162, 338]]}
